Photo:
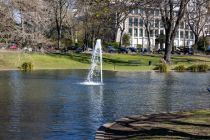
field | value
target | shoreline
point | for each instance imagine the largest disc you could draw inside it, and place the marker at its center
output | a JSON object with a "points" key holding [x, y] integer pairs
{"points": [[112, 62], [127, 71], [193, 124]]}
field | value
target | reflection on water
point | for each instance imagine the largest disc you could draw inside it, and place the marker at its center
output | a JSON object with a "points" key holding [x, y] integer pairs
{"points": [[50, 105], [16, 104]]}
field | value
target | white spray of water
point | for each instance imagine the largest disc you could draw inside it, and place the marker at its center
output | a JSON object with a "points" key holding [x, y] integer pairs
{"points": [[95, 75]]}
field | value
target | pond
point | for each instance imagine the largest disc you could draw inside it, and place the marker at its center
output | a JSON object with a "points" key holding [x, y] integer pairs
{"points": [[51, 105]]}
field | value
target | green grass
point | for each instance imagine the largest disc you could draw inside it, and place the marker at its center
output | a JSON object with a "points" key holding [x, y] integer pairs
{"points": [[117, 62]]}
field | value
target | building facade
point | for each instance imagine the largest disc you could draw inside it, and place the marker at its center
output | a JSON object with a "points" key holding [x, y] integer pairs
{"points": [[134, 26]]}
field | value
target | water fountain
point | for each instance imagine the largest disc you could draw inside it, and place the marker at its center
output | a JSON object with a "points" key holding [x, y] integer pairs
{"points": [[95, 75]]}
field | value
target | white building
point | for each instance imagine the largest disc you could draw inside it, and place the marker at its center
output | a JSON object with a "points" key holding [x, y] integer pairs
{"points": [[135, 27]]}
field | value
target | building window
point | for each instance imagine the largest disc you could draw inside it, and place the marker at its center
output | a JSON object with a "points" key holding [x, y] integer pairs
{"points": [[131, 11], [152, 23], [177, 34], [186, 34], [141, 11], [161, 24], [141, 22], [161, 32], [191, 35], [153, 12], [135, 21], [157, 12], [145, 32], [130, 21], [130, 31], [135, 32], [151, 33], [187, 26], [136, 11], [156, 33], [157, 23], [181, 34], [182, 25], [141, 32]]}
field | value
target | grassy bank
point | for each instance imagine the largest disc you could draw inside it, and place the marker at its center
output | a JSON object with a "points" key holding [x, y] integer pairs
{"points": [[118, 62]]}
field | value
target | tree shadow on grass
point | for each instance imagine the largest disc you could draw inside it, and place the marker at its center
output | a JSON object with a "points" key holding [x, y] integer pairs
{"points": [[147, 126], [154, 132], [86, 58], [82, 58], [187, 60]]}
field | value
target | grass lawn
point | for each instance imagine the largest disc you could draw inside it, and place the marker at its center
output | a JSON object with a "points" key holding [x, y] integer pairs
{"points": [[117, 62]]}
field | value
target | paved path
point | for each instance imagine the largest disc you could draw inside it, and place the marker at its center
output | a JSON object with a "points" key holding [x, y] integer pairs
{"points": [[165, 126]]}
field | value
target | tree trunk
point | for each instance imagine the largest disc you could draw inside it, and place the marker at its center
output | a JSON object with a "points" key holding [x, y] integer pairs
{"points": [[121, 35], [168, 49], [93, 39], [59, 39], [196, 41], [122, 29], [58, 36], [168, 46], [115, 34], [148, 39]]}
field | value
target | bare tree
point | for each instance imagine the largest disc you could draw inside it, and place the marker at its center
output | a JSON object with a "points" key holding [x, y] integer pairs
{"points": [[197, 17], [172, 13], [30, 21], [147, 14], [59, 11], [105, 19], [6, 23], [120, 10]]}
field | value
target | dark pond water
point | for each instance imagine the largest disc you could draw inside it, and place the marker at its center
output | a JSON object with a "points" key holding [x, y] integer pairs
{"points": [[51, 105]]}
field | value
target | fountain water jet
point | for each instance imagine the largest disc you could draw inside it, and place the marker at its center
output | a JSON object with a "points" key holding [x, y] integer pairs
{"points": [[95, 75]]}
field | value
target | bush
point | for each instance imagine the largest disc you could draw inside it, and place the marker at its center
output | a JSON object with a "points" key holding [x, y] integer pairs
{"points": [[27, 66], [114, 44], [180, 68], [126, 40], [193, 68], [162, 67], [139, 46], [203, 68], [202, 44], [199, 68]]}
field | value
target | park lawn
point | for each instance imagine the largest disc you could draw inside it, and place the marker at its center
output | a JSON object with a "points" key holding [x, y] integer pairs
{"points": [[13, 60], [113, 62]]}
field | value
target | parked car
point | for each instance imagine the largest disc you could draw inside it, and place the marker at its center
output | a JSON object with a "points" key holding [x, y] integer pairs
{"points": [[79, 50], [208, 50], [64, 50], [71, 48], [184, 50], [133, 50], [160, 51], [111, 49], [27, 49], [123, 50], [13, 47], [191, 51]]}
